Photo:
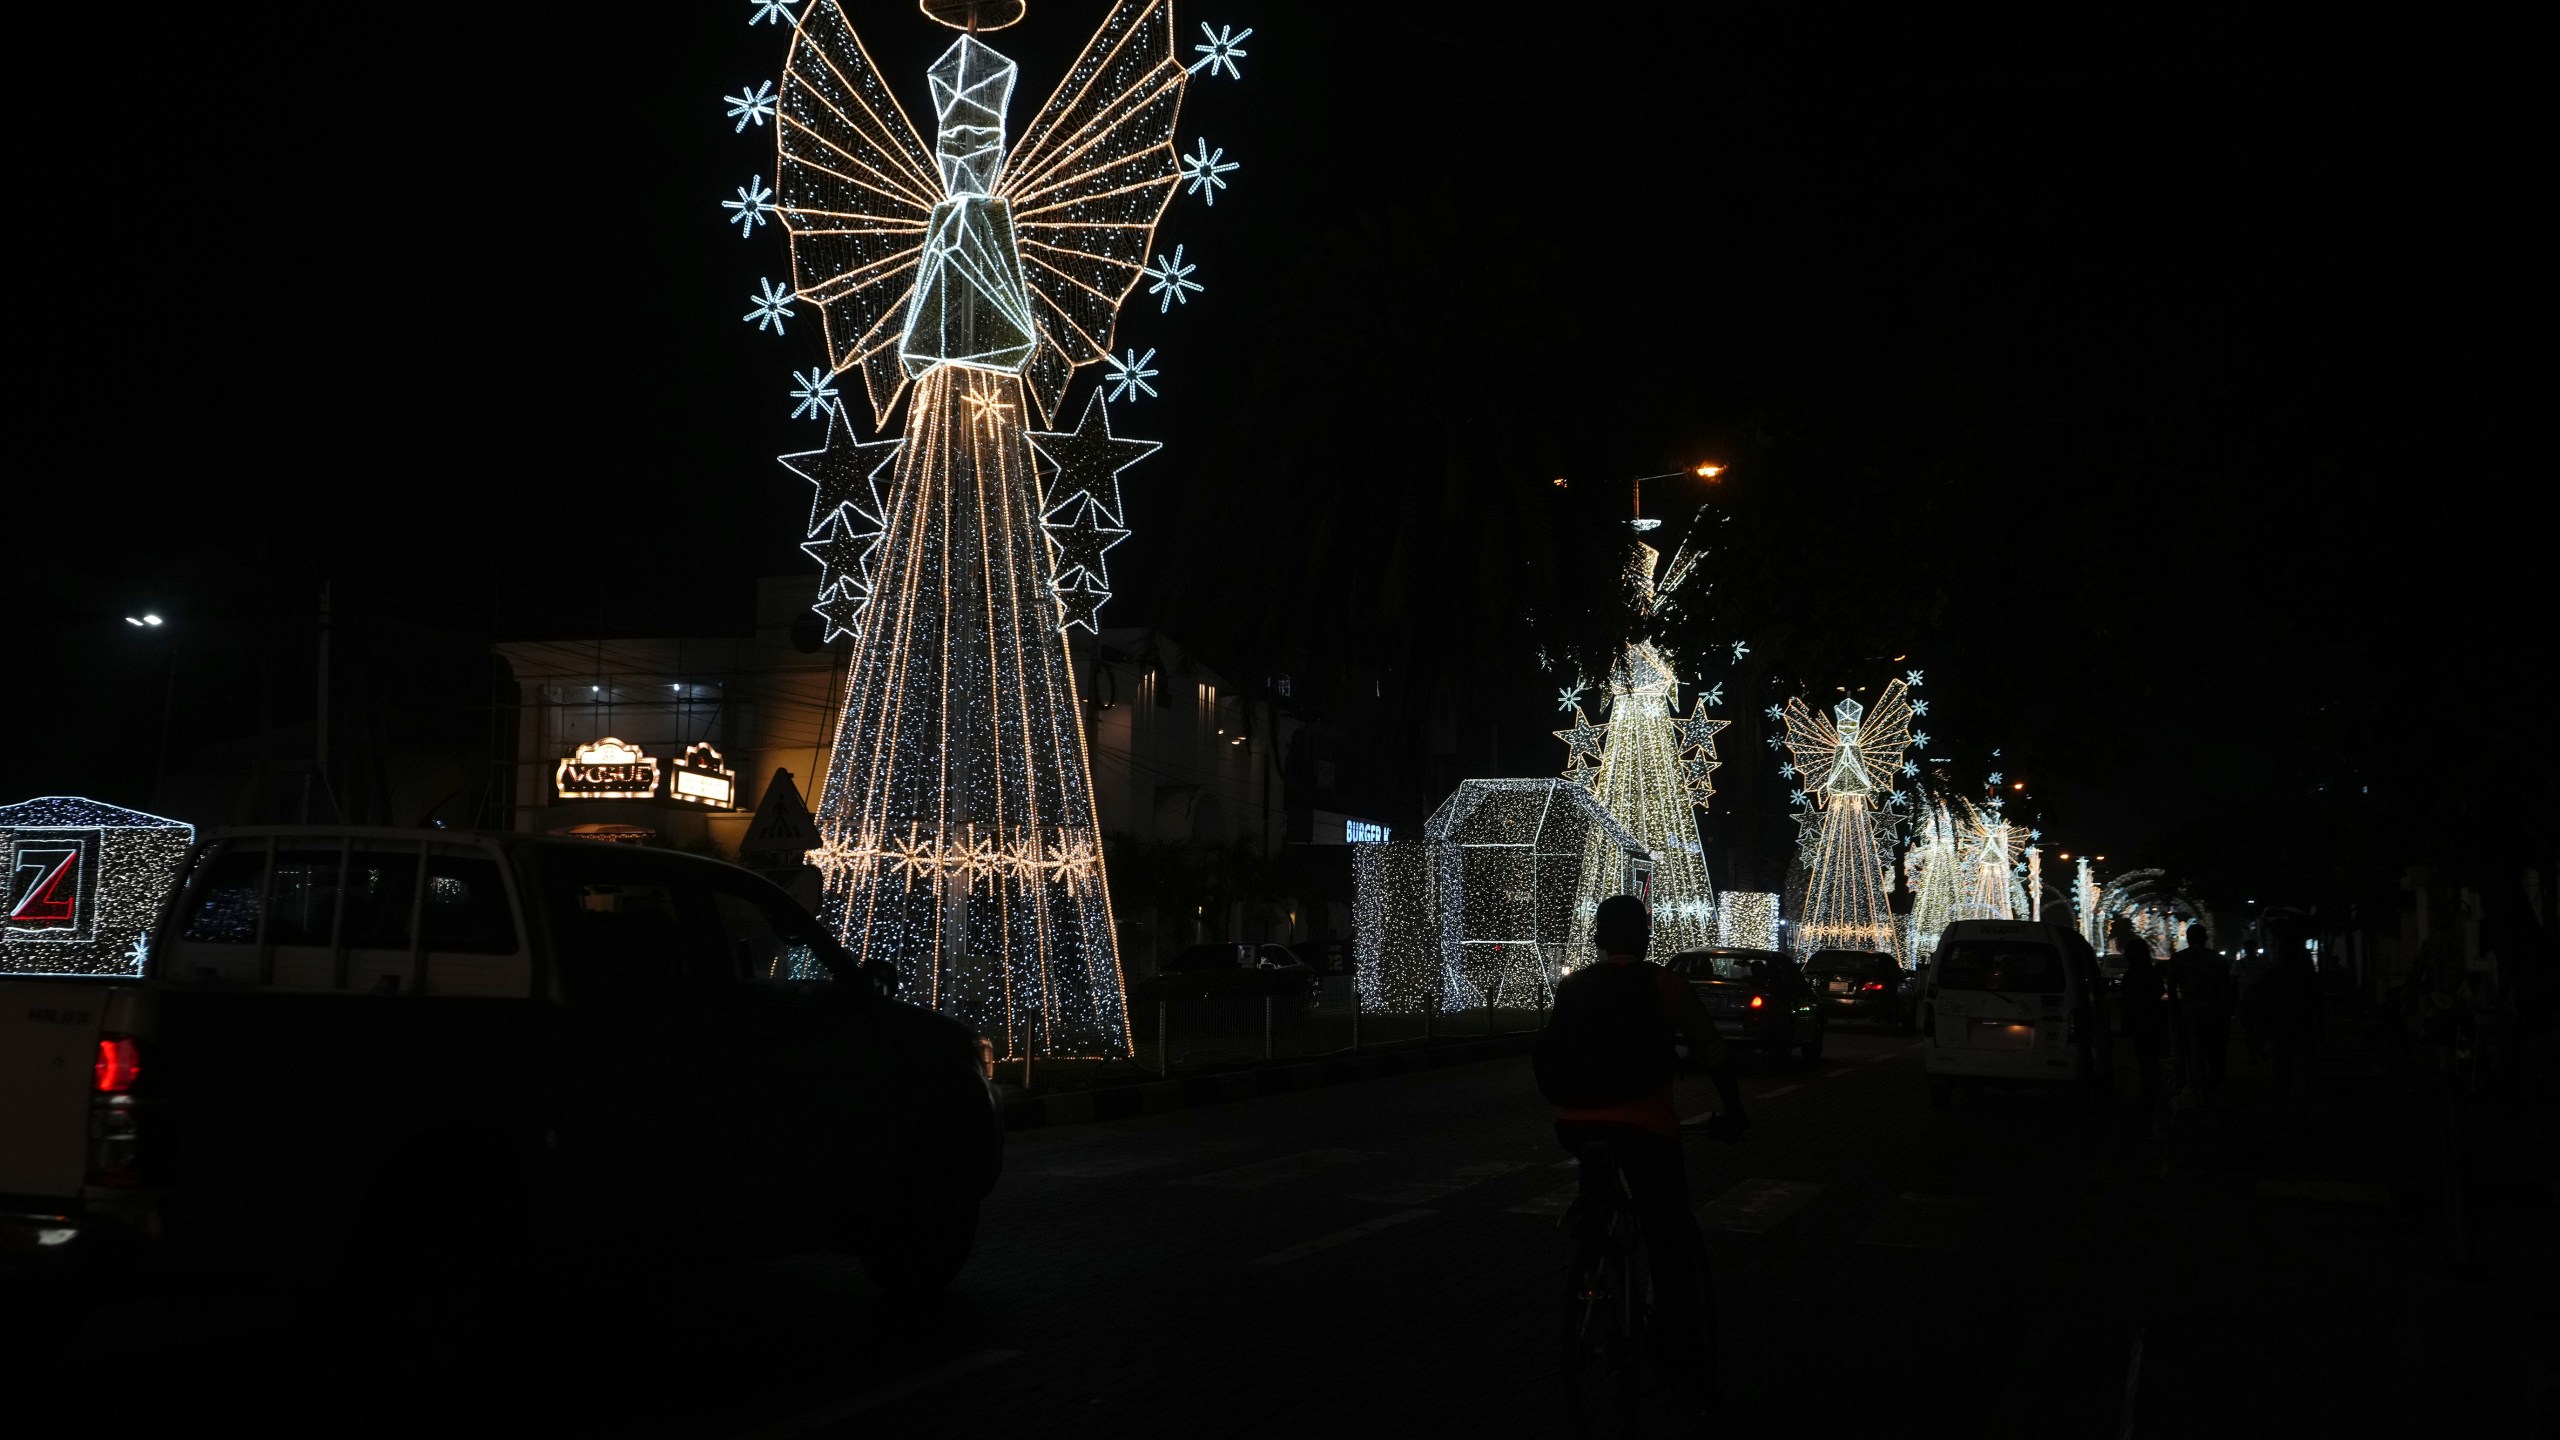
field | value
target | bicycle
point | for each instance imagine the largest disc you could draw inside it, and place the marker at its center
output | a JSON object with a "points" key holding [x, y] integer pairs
{"points": [[1609, 1295]]}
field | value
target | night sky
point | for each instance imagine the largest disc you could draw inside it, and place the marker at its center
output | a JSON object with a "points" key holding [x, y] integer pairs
{"points": [[2161, 391]]}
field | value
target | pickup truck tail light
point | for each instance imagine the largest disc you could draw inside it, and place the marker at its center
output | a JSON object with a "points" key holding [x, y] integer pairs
{"points": [[114, 1129], [1758, 1001], [118, 1066]]}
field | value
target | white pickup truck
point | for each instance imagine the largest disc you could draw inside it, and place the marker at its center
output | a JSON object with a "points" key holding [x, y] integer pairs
{"points": [[432, 1049]]}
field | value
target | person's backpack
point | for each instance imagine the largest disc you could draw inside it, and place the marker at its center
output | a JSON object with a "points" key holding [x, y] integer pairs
{"points": [[1607, 1039]]}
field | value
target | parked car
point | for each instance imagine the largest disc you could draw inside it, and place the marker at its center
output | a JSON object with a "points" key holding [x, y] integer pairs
{"points": [[434, 1051], [1863, 985], [2015, 1002], [1758, 999], [1229, 980]]}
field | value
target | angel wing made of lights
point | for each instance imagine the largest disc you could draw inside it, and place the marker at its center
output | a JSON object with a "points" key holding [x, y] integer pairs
{"points": [[1086, 184], [1091, 177]]}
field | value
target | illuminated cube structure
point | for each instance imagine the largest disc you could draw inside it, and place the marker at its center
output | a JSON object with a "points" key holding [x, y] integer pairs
{"points": [[81, 884], [1482, 910], [1747, 920]]}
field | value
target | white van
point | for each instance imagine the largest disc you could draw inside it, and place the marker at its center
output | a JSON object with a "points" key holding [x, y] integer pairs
{"points": [[2015, 1002]]}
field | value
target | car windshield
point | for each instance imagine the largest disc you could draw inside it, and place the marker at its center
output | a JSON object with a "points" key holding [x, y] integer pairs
{"points": [[2028, 965], [1849, 962]]}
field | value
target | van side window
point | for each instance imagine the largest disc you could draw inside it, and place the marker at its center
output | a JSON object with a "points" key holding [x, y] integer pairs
{"points": [[380, 885], [302, 901], [766, 938], [223, 909], [633, 936], [2031, 966], [466, 907]]}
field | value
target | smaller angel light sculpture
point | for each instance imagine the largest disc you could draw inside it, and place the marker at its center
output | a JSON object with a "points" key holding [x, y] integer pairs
{"points": [[1850, 759]]}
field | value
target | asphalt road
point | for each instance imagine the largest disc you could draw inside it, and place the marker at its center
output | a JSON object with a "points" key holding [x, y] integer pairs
{"points": [[1363, 1258]]}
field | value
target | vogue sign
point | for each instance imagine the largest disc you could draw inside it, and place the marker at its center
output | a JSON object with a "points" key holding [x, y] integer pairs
{"points": [[607, 769]]}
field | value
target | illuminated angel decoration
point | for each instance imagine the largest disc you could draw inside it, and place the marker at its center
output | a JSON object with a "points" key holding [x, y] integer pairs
{"points": [[1653, 769], [970, 278], [1853, 755], [1990, 848]]}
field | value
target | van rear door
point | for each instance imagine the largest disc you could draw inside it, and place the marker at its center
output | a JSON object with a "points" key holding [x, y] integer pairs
{"points": [[48, 1054], [1999, 995]]}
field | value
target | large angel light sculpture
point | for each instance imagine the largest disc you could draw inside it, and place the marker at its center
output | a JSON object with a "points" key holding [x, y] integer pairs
{"points": [[1849, 761], [1653, 769], [971, 277], [1934, 869]]}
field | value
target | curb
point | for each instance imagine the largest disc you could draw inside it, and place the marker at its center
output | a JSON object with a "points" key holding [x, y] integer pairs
{"points": [[1120, 1102]]}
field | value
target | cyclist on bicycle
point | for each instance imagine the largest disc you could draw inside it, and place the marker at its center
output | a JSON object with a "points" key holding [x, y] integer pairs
{"points": [[1605, 1061]]}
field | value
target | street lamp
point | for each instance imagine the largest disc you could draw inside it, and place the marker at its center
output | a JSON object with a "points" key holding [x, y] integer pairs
{"points": [[150, 620], [1707, 470]]}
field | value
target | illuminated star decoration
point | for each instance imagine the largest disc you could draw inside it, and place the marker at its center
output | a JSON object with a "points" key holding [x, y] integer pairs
{"points": [[1582, 742], [1206, 172], [1130, 376], [1224, 48], [1173, 278], [747, 105], [754, 204], [1083, 514], [817, 397], [1568, 697], [844, 560], [777, 11], [845, 473], [771, 308]]}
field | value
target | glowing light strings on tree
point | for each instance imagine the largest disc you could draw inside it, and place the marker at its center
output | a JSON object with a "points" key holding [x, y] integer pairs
{"points": [[970, 279], [1851, 758]]}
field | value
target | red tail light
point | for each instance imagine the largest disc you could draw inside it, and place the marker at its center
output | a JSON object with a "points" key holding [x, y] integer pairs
{"points": [[1872, 985], [119, 1065], [1758, 1000]]}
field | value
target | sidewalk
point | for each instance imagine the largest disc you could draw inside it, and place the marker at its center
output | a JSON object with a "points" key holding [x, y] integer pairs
{"points": [[2326, 1282]]}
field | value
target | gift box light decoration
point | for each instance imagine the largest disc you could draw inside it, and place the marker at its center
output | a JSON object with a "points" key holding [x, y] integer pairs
{"points": [[1485, 909], [82, 883], [1653, 769], [1747, 919], [970, 278], [1850, 760]]}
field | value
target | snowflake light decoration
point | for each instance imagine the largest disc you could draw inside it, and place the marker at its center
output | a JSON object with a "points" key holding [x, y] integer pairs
{"points": [[753, 206], [1130, 376], [1919, 707], [1776, 712], [1206, 172], [817, 396], [777, 11], [1996, 778], [1224, 48], [770, 308], [1568, 697], [1172, 280], [1714, 694], [751, 105], [1740, 650], [1910, 677]]}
